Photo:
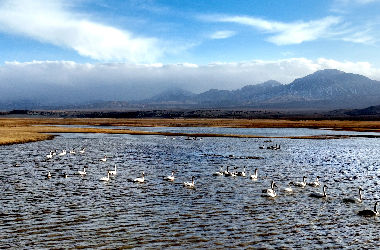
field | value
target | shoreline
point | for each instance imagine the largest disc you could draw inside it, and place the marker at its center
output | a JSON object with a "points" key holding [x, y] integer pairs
{"points": [[24, 130]]}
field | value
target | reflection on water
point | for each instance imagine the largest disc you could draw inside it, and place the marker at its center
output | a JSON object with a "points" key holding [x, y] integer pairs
{"points": [[220, 212]]}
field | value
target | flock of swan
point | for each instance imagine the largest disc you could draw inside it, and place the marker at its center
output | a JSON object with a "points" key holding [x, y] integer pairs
{"points": [[270, 192]]}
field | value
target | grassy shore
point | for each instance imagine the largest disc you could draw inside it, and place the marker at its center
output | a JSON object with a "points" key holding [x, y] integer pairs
{"points": [[15, 130]]}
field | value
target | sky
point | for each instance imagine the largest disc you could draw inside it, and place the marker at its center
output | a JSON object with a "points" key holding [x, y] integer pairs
{"points": [[123, 50]]}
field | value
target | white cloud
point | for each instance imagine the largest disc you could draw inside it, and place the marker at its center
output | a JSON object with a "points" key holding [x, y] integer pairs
{"points": [[285, 33], [51, 22], [65, 81], [222, 34]]}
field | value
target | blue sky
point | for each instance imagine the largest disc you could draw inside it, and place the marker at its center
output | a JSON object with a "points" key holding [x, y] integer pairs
{"points": [[194, 45]]}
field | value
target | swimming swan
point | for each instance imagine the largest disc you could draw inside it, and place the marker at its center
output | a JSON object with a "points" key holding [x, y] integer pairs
{"points": [[221, 173], [48, 175], [320, 195], [81, 151], [270, 192], [272, 185], [242, 173], [106, 178], [170, 177], [288, 189], [301, 184], [190, 184], [140, 180], [104, 159], [113, 172], [316, 183], [353, 199], [368, 213], [82, 172], [254, 176], [62, 153]]}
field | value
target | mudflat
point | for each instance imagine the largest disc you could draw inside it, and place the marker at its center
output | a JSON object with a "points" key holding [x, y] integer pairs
{"points": [[23, 130]]}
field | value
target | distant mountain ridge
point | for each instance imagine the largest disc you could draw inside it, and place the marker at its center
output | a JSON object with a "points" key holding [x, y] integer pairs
{"points": [[328, 89], [324, 89]]}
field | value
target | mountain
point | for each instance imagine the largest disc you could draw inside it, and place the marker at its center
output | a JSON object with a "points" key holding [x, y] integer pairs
{"points": [[325, 89]]}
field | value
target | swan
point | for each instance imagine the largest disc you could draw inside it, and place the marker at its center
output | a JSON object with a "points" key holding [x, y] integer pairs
{"points": [[368, 213], [254, 176], [353, 199], [226, 172], [170, 177], [72, 151], [50, 155], [140, 180], [241, 173], [82, 172], [82, 151], [62, 153], [113, 172], [301, 184], [320, 195], [316, 183], [270, 192], [272, 185], [48, 175], [190, 184], [233, 174], [219, 173], [104, 159], [106, 178], [288, 189]]}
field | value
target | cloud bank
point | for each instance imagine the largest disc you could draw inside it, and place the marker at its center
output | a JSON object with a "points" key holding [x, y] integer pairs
{"points": [[51, 22], [70, 82]]}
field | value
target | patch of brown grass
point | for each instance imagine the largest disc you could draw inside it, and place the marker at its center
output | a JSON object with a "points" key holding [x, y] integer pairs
{"points": [[14, 130]]}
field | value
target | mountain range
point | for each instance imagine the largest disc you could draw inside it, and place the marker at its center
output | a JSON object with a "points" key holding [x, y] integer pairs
{"points": [[324, 90]]}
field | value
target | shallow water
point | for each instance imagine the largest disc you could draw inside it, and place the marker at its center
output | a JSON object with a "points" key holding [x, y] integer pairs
{"points": [[220, 212]]}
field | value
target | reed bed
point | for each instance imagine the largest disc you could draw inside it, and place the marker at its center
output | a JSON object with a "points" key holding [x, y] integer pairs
{"points": [[22, 130]]}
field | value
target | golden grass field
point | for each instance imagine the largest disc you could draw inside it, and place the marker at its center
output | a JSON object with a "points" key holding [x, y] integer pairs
{"points": [[22, 130]]}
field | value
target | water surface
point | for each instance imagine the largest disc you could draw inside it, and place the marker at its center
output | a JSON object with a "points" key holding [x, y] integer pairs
{"points": [[220, 212]]}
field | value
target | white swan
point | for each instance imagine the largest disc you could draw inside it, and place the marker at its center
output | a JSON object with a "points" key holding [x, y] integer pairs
{"points": [[270, 192], [272, 185], [113, 172], [140, 180], [226, 171], [170, 177], [289, 188], [316, 183], [190, 184], [254, 176], [301, 184], [353, 199], [242, 173], [233, 174], [319, 195], [82, 172], [82, 151], [72, 151], [221, 173], [368, 213], [62, 153], [48, 175], [50, 155], [106, 178], [104, 159]]}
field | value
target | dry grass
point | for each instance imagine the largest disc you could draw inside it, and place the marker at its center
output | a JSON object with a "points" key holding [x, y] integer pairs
{"points": [[15, 130]]}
